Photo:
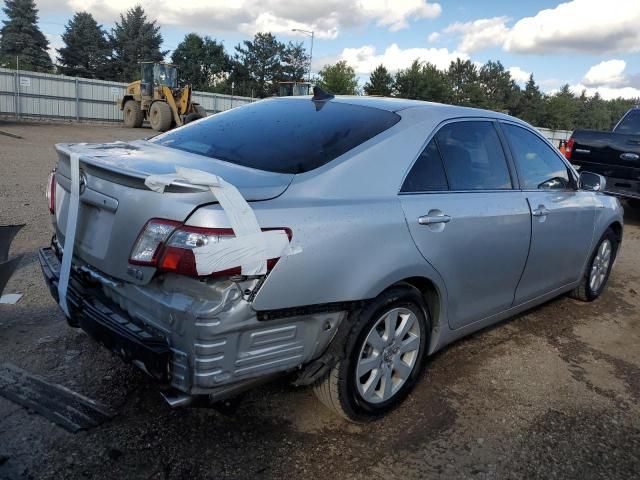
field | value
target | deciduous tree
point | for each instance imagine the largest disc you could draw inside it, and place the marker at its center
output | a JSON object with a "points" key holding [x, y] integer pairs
{"points": [[339, 79], [201, 61]]}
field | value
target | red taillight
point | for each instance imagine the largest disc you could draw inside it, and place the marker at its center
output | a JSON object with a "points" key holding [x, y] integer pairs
{"points": [[169, 246], [50, 192], [151, 238], [568, 149]]}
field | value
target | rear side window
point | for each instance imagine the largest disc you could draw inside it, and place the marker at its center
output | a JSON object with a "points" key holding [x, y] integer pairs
{"points": [[630, 123], [284, 136], [427, 174], [473, 156], [539, 167]]}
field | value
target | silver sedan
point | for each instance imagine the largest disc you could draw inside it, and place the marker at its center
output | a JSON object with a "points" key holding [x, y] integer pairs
{"points": [[337, 240]]}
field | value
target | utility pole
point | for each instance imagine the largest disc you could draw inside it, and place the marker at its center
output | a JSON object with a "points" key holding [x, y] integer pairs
{"points": [[309, 33]]}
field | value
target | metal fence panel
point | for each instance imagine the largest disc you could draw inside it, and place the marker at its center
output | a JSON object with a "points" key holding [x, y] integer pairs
{"points": [[43, 95]]}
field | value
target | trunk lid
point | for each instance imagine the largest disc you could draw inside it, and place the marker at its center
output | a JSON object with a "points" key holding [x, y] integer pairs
{"points": [[115, 204]]}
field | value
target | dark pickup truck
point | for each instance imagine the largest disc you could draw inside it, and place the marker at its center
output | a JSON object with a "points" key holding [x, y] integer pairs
{"points": [[614, 155]]}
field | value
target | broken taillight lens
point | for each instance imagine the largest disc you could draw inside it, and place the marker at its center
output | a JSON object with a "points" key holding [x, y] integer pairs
{"points": [[50, 192], [568, 148], [178, 257], [149, 243], [169, 246]]}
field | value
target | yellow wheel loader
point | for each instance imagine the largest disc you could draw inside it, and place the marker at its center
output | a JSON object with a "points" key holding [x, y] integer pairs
{"points": [[157, 97]]}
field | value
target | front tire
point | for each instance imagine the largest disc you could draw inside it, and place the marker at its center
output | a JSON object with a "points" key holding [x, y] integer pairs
{"points": [[384, 356], [597, 273]]}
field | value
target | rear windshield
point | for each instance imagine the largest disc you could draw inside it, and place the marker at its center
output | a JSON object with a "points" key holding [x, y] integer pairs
{"points": [[630, 123], [284, 136]]}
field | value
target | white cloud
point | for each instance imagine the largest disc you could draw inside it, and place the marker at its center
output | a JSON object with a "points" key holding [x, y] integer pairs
{"points": [[395, 13], [433, 37], [609, 73], [584, 26], [519, 75], [326, 18], [607, 93], [365, 59], [480, 34]]}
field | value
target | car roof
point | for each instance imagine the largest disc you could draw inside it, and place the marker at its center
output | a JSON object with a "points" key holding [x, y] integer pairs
{"points": [[398, 104]]}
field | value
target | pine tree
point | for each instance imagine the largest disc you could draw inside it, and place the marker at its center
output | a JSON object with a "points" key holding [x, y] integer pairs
{"points": [[134, 40], [499, 89], [380, 82], [22, 38], [530, 106], [561, 109], [295, 62], [465, 84], [409, 82], [87, 50], [258, 65]]}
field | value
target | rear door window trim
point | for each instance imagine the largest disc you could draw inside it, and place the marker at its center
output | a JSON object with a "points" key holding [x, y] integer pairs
{"points": [[515, 186]]}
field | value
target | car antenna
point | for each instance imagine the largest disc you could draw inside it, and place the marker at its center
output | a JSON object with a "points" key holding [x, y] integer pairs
{"points": [[319, 95]]}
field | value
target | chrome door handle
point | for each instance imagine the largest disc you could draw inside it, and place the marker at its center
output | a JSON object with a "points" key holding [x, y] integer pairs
{"points": [[433, 219], [541, 211]]}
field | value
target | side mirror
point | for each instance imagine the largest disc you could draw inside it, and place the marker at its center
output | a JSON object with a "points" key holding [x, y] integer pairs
{"points": [[592, 182]]}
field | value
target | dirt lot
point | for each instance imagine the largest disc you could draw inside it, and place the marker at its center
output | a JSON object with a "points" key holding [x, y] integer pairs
{"points": [[553, 393]]}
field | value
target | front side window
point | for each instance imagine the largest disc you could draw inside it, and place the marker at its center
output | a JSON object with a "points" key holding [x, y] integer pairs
{"points": [[539, 167], [473, 156], [427, 174]]}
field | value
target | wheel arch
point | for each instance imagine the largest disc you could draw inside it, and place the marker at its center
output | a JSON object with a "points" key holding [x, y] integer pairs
{"points": [[616, 226], [434, 298], [124, 100]]}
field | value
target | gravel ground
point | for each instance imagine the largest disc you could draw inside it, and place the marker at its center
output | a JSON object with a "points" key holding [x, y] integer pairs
{"points": [[553, 393]]}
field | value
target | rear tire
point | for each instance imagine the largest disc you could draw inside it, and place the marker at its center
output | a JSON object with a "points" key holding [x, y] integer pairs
{"points": [[192, 117], [132, 114], [160, 116], [200, 110], [372, 380], [598, 269]]}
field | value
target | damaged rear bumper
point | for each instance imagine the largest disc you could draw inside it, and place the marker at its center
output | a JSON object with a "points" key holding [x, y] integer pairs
{"points": [[199, 339], [111, 328]]}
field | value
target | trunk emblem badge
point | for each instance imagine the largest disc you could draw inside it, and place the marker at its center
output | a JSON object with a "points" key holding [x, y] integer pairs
{"points": [[83, 182]]}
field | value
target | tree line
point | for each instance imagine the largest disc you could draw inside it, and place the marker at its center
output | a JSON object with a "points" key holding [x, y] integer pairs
{"points": [[255, 67]]}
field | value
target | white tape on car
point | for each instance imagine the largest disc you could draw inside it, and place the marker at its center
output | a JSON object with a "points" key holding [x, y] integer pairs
{"points": [[70, 231], [251, 247]]}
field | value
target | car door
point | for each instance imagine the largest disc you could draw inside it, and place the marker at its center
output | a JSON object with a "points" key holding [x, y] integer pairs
{"points": [[466, 218], [562, 217]]}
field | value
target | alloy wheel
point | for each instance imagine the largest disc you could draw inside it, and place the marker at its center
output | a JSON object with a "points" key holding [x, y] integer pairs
{"points": [[600, 265], [388, 355]]}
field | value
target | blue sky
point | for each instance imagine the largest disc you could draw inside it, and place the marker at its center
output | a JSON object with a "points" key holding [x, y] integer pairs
{"points": [[590, 44]]}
